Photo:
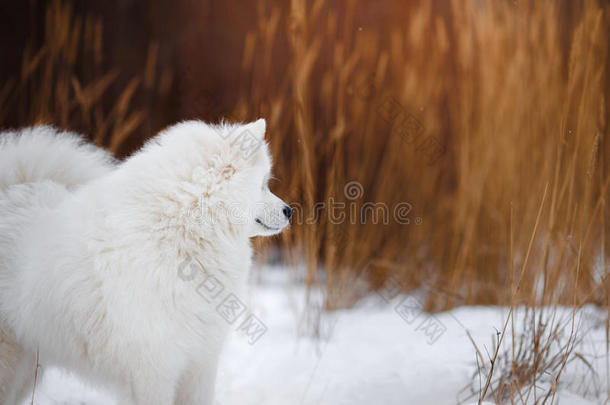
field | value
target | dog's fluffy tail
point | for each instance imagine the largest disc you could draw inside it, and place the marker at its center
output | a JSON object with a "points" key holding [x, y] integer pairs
{"points": [[38, 167], [43, 153]]}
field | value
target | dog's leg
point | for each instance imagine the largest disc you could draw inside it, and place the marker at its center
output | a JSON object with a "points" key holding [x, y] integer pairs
{"points": [[152, 388], [196, 385], [10, 353], [18, 370]]}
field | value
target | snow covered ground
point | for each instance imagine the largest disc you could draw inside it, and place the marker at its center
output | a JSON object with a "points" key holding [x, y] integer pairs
{"points": [[384, 351]]}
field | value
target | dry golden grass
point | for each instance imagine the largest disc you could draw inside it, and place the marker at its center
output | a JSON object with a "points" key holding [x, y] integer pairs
{"points": [[529, 370], [514, 124], [63, 82]]}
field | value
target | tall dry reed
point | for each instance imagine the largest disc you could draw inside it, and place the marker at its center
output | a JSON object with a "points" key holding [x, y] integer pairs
{"points": [[65, 82], [477, 114]]}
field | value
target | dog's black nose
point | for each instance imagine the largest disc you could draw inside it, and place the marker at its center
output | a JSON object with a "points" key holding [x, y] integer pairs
{"points": [[287, 211]]}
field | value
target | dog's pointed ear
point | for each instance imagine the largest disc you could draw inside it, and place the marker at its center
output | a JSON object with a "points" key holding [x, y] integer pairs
{"points": [[257, 128]]}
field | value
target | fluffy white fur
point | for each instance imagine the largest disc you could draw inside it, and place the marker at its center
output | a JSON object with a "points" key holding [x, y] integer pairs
{"points": [[42, 153], [90, 251]]}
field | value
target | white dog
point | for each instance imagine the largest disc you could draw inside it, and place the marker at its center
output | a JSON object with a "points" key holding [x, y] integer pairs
{"points": [[91, 254]]}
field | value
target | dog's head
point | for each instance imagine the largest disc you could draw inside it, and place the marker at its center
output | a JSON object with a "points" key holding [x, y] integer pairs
{"points": [[247, 177], [222, 172]]}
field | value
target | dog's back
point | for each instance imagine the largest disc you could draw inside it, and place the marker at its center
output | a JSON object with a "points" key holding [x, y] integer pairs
{"points": [[42, 153], [38, 168]]}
